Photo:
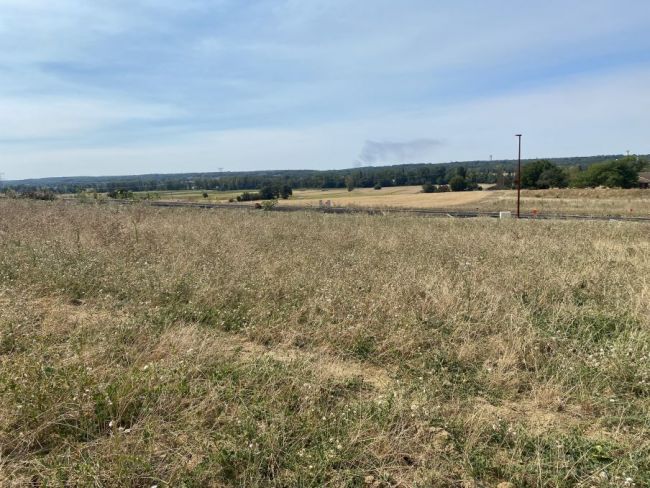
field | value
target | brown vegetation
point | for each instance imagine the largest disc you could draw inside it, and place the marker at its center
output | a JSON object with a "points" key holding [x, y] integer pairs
{"points": [[178, 347]]}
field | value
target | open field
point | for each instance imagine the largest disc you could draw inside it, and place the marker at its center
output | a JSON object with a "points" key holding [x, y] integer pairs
{"points": [[193, 195], [567, 201], [589, 201], [399, 196], [179, 347]]}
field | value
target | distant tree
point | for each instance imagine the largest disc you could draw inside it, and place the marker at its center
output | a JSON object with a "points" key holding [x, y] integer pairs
{"points": [[619, 173], [553, 178], [249, 197], [269, 192], [428, 188], [543, 174], [458, 183], [285, 192], [349, 182], [120, 194]]}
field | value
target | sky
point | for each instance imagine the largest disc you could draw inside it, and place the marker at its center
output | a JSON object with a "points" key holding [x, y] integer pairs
{"points": [[107, 87]]}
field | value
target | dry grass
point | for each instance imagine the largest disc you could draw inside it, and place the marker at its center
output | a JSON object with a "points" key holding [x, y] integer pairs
{"points": [[568, 201], [179, 347], [590, 201]]}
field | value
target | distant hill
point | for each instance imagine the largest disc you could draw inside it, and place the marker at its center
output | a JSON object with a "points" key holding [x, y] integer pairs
{"points": [[394, 175]]}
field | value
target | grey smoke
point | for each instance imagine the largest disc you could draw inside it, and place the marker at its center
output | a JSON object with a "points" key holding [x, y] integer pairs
{"points": [[398, 152]]}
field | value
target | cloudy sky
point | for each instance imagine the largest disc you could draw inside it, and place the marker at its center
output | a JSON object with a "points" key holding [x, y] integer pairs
{"points": [[96, 87]]}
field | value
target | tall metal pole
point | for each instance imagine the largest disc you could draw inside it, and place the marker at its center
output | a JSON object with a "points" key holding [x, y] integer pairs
{"points": [[519, 176]]}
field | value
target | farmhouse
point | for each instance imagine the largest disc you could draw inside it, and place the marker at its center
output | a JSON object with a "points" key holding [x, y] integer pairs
{"points": [[644, 180]]}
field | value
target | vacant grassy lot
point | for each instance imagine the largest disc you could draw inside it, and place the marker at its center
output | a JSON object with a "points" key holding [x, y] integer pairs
{"points": [[590, 201], [177, 347]]}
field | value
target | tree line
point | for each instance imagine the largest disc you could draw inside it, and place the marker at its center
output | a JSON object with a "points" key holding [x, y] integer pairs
{"points": [[614, 173], [586, 171]]}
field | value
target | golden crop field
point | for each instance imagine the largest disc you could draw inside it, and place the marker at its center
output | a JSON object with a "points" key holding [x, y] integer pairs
{"points": [[568, 201], [599, 201], [400, 196], [184, 347]]}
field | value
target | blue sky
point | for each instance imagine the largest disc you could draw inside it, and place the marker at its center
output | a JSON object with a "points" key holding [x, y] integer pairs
{"points": [[96, 87]]}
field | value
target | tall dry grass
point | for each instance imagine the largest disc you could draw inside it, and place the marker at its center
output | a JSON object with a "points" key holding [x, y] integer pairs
{"points": [[588, 201], [180, 347]]}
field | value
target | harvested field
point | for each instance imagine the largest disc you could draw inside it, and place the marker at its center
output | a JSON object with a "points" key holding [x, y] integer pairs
{"points": [[632, 203], [180, 347], [401, 196]]}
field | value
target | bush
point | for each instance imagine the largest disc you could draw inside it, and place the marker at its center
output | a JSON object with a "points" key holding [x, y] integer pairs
{"points": [[377, 186], [120, 194], [205, 194], [431, 188], [350, 184], [268, 204], [269, 192], [543, 174], [285, 192], [249, 197], [458, 183], [273, 191], [39, 195], [619, 173]]}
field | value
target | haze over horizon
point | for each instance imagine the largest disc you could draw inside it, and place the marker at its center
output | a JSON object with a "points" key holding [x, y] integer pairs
{"points": [[144, 86]]}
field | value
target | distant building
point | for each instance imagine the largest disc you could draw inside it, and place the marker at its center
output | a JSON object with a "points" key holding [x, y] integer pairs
{"points": [[644, 180]]}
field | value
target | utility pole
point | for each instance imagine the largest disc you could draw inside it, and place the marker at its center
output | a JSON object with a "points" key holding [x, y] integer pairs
{"points": [[519, 176]]}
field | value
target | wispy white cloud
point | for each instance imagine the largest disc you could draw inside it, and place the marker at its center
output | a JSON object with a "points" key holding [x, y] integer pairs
{"points": [[551, 118], [126, 85]]}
